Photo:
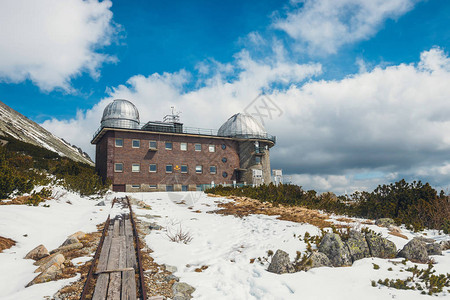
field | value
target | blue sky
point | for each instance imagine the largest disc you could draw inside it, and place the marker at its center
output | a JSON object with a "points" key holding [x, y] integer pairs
{"points": [[324, 59]]}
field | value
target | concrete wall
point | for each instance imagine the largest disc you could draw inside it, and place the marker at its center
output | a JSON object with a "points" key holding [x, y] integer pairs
{"points": [[247, 160]]}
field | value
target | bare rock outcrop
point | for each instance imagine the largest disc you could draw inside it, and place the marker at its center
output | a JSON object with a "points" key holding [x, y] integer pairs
{"points": [[415, 250], [281, 263], [380, 246], [335, 249]]}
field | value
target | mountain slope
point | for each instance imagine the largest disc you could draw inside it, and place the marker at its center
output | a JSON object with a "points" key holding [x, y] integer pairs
{"points": [[20, 127]]}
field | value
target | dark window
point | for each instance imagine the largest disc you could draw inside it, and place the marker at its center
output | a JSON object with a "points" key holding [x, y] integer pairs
{"points": [[169, 188], [152, 144], [168, 145], [152, 186], [224, 146], [184, 188], [118, 167], [212, 169], [224, 160], [257, 159], [119, 142], [169, 168], [184, 169], [136, 143], [225, 174], [198, 147], [152, 168]]}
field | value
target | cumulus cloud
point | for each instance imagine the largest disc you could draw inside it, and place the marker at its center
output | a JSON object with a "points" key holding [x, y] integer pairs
{"points": [[50, 42], [325, 25], [339, 135]]}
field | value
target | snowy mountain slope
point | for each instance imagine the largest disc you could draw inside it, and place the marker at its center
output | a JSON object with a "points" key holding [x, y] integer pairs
{"points": [[20, 127]]}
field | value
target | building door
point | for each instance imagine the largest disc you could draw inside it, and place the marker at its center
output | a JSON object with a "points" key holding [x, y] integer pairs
{"points": [[119, 187]]}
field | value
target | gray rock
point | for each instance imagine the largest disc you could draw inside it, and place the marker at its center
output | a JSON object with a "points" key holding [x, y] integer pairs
{"points": [[336, 251], [281, 263], [182, 290], [37, 253], [434, 249], [316, 260], [67, 248], [445, 245], [384, 222], [357, 245], [70, 240], [425, 239], [101, 203], [47, 275], [171, 277], [380, 246], [171, 269], [154, 226], [56, 259], [415, 250]]}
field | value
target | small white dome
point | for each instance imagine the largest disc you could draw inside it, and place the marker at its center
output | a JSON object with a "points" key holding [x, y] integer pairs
{"points": [[242, 125], [120, 114]]}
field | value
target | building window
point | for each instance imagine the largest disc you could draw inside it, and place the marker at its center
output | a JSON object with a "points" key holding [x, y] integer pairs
{"points": [[152, 145], [152, 186], [118, 167], [136, 143], [184, 169], [183, 146], [198, 147], [135, 186], [224, 174], [152, 168], [198, 169], [212, 169], [169, 188], [257, 159], [119, 142], [212, 148], [224, 146], [199, 187], [184, 188], [224, 159], [169, 145], [169, 168], [135, 168]]}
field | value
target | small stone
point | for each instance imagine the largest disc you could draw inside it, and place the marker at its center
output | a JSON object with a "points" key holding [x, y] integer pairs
{"points": [[171, 277], [37, 253], [58, 259], [281, 263], [78, 235], [171, 269], [384, 222], [445, 245], [182, 289], [154, 226], [415, 250]]}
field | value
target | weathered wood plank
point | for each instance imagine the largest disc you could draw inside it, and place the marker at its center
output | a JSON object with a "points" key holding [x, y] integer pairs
{"points": [[122, 227], [128, 285], [101, 287], [113, 263], [104, 254], [116, 228], [128, 227]]}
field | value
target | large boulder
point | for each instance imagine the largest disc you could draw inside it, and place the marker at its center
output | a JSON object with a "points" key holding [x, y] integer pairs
{"points": [[37, 253], [336, 251], [434, 249], [47, 275], [281, 263], [70, 240], [415, 250], [56, 259], [69, 247], [380, 246], [357, 245], [316, 260], [384, 222]]}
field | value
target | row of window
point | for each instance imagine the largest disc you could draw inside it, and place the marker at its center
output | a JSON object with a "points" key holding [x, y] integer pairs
{"points": [[169, 188], [167, 145], [136, 168]]}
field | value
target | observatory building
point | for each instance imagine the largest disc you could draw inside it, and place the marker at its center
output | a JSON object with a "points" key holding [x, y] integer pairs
{"points": [[165, 156]]}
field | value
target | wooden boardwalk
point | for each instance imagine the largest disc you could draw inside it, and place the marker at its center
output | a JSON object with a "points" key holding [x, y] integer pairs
{"points": [[117, 265]]}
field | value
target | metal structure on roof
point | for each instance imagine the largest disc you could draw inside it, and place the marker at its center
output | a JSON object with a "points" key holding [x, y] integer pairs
{"points": [[242, 125], [120, 113]]}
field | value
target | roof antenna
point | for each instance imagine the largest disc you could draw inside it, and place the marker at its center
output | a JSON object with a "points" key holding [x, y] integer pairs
{"points": [[172, 118]]}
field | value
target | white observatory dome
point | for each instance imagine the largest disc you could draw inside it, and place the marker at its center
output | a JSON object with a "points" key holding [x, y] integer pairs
{"points": [[242, 125], [120, 114]]}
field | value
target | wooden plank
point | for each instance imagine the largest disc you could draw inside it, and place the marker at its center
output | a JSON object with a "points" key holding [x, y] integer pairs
{"points": [[128, 227], [101, 287], [128, 285], [113, 263], [122, 227], [104, 254], [116, 228], [131, 252]]}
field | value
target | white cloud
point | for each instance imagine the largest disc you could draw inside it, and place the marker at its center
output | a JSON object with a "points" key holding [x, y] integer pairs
{"points": [[392, 121], [50, 41], [325, 25]]}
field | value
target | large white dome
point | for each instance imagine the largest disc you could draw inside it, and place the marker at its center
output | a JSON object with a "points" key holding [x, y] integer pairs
{"points": [[120, 114], [242, 125]]}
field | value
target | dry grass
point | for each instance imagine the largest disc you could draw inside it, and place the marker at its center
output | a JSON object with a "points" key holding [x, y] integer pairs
{"points": [[201, 269], [243, 206], [396, 233], [6, 243]]}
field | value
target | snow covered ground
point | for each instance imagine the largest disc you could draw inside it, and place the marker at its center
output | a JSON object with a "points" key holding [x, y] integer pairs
{"points": [[225, 244]]}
